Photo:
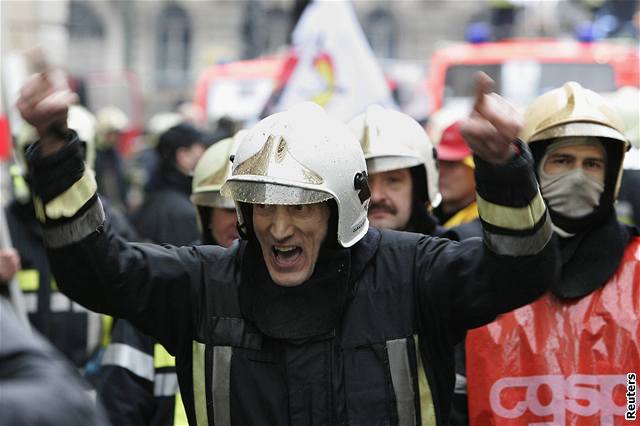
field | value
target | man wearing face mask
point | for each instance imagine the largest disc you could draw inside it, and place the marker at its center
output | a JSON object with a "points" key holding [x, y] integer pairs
{"points": [[586, 330], [311, 318], [403, 175], [137, 383]]}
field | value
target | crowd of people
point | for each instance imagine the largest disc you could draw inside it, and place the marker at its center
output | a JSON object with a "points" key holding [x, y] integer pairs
{"points": [[309, 271]]}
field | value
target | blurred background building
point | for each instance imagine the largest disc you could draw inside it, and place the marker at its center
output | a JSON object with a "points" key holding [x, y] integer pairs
{"points": [[160, 47], [155, 59]]}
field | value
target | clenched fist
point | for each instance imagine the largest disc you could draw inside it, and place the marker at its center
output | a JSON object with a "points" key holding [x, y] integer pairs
{"points": [[45, 108], [493, 124]]}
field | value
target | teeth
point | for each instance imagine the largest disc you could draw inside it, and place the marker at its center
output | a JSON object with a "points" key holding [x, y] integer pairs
{"points": [[285, 249]]}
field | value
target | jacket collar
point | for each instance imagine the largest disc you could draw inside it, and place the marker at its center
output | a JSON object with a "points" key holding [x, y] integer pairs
{"points": [[590, 258]]}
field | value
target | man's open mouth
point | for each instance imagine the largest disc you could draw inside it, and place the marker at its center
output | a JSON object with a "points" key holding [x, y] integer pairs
{"points": [[286, 256]]}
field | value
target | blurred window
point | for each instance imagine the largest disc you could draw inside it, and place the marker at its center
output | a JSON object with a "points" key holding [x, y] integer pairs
{"points": [[83, 22], [174, 47], [86, 39], [382, 32], [458, 82], [597, 77], [538, 77], [264, 28]]}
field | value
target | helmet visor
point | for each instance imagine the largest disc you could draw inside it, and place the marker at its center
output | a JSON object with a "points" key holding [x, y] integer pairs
{"points": [[581, 128], [387, 163], [253, 192], [212, 199]]}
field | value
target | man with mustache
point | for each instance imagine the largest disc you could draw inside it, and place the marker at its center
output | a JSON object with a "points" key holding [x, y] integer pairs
{"points": [[311, 318], [403, 175]]}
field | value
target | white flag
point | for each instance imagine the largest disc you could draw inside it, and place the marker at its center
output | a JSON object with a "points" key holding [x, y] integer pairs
{"points": [[336, 67]]}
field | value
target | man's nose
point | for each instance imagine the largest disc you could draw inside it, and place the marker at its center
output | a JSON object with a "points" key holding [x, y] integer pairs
{"points": [[377, 192], [281, 226]]}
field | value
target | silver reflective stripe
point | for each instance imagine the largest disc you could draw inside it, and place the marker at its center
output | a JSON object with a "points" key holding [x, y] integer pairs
{"points": [[220, 384], [59, 303], [520, 245], [77, 229], [199, 387], [92, 394], [31, 302], [134, 360], [402, 380], [461, 384], [165, 384], [76, 307], [94, 329]]}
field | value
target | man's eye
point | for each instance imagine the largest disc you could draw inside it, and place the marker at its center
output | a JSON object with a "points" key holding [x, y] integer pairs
{"points": [[261, 206], [591, 164], [298, 207]]}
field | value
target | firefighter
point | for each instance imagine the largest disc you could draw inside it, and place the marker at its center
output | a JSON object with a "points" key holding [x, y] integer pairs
{"points": [[288, 326], [216, 214], [138, 383], [403, 175], [457, 182], [585, 331]]}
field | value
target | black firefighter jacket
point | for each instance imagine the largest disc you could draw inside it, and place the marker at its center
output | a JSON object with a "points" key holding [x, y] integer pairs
{"points": [[37, 385], [402, 290]]}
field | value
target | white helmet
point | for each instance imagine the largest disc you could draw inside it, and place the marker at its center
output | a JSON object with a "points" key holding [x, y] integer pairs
{"points": [[212, 171], [160, 123], [78, 118], [84, 123], [111, 118], [303, 156], [392, 140]]}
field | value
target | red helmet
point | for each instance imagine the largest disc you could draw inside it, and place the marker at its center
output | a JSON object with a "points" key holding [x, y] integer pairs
{"points": [[452, 146]]}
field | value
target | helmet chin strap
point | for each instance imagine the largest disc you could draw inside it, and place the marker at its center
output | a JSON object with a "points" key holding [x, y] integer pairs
{"points": [[244, 227]]}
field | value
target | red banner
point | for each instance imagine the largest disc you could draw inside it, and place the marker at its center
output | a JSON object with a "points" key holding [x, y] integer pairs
{"points": [[5, 139], [561, 363]]}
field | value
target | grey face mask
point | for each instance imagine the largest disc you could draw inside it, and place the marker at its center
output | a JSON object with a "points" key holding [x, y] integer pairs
{"points": [[574, 194]]}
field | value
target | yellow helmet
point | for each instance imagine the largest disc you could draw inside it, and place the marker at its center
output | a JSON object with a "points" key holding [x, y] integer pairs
{"points": [[212, 171], [572, 110]]}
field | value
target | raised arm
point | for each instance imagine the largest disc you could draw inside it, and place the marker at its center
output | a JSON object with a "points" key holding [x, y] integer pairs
{"points": [[467, 284], [150, 285]]}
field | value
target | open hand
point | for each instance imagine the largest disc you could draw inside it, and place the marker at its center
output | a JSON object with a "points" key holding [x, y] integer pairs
{"points": [[493, 124]]}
